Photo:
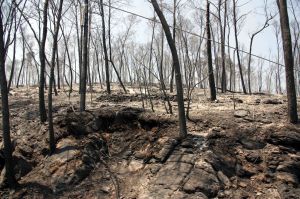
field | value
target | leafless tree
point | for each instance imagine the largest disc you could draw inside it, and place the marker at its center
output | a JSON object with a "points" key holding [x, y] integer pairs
{"points": [[209, 56], [51, 79], [289, 61], [235, 24], [9, 166], [266, 24], [181, 111]]}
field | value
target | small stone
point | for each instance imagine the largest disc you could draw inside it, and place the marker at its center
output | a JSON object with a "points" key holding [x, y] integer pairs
{"points": [[202, 181], [241, 113], [237, 100], [271, 101], [253, 157], [154, 168], [242, 184], [252, 144], [224, 179], [135, 165]]}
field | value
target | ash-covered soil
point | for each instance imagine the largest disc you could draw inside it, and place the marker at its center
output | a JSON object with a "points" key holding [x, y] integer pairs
{"points": [[238, 147]]}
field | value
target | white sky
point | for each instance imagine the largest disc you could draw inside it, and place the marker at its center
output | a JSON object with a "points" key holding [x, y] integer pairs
{"points": [[263, 43]]}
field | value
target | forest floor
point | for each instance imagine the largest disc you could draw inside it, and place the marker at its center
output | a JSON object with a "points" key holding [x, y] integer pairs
{"points": [[239, 146]]}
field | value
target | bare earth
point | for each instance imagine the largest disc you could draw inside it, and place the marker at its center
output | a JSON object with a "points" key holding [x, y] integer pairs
{"points": [[238, 147]]}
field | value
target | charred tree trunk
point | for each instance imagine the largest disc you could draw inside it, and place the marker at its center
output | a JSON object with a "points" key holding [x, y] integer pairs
{"points": [[23, 58], [212, 86], [58, 70], [42, 106], [110, 48], [51, 80], [181, 111], [14, 51], [9, 166], [237, 47], [5, 113], [105, 49], [223, 32], [84, 56], [174, 38], [289, 61]]}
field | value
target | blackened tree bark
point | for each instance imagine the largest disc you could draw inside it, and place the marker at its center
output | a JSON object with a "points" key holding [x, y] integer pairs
{"points": [[174, 38], [58, 69], [212, 86], [23, 57], [222, 33], [66, 39], [289, 61], [14, 50], [110, 48], [5, 112], [51, 80], [42, 107], [85, 56], [235, 21], [181, 111], [105, 48]]}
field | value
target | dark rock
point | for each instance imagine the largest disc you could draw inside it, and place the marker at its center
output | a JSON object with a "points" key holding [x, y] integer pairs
{"points": [[224, 179], [237, 100], [202, 181], [167, 150], [243, 171], [285, 138], [187, 144], [251, 144], [72, 162], [287, 178], [271, 101], [22, 166], [257, 101], [77, 129], [186, 158], [253, 157], [172, 174], [127, 114], [288, 192], [291, 167], [100, 123], [225, 163], [241, 113], [216, 133], [154, 168]]}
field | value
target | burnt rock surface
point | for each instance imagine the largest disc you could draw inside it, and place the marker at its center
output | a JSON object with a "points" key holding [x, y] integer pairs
{"points": [[135, 154]]}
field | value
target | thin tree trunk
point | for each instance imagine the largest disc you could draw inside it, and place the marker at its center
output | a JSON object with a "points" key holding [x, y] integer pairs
{"points": [[42, 106], [212, 85], [58, 70], [222, 32], [23, 58], [237, 47], [289, 61], [105, 49], [14, 52], [51, 80], [9, 166], [181, 111], [83, 77]]}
